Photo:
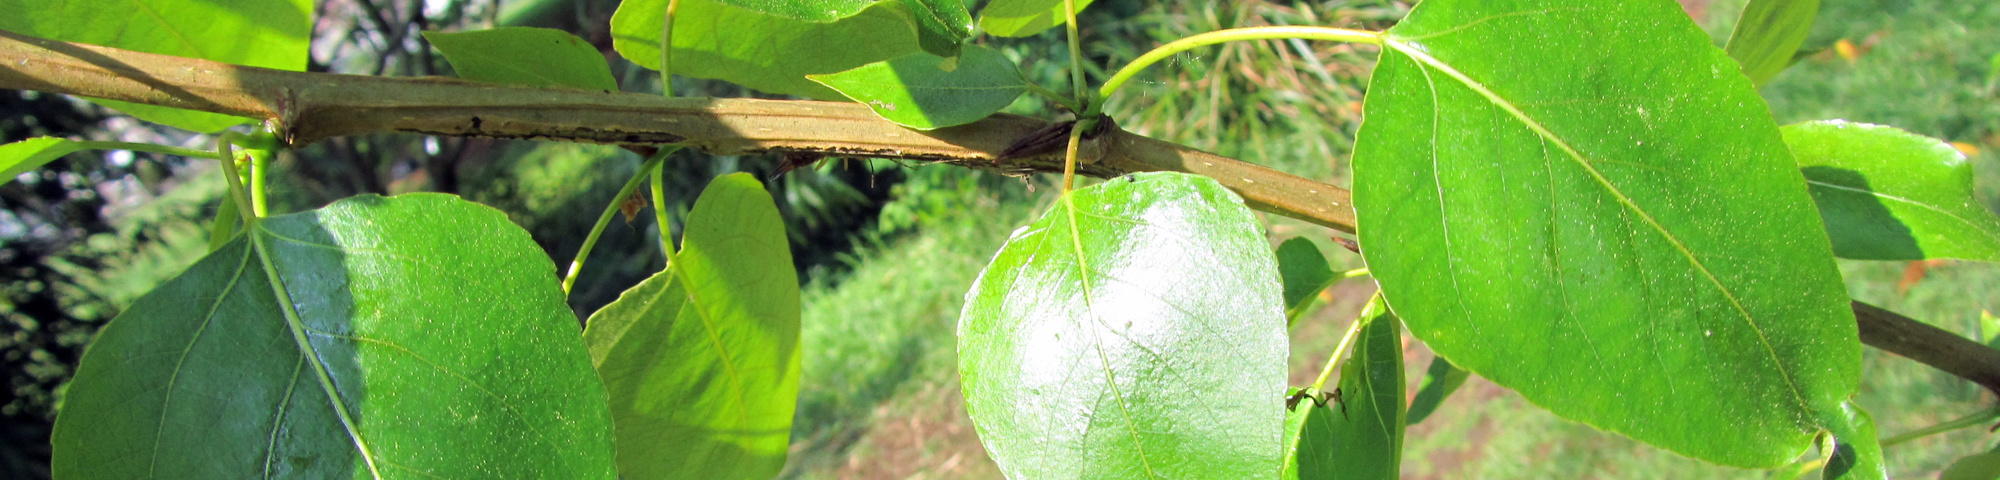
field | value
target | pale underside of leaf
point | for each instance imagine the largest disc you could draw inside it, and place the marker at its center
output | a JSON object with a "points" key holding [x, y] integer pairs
{"points": [[1093, 346], [1090, 311]]}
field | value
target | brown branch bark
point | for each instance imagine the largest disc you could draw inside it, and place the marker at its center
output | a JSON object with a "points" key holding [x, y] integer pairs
{"points": [[1929, 345], [308, 107]]}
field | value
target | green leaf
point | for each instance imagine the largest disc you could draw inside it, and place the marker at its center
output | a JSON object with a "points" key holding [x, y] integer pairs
{"points": [[1768, 33], [1856, 453], [1887, 194], [1359, 434], [1989, 329], [702, 359], [918, 91], [257, 33], [1136, 330], [1305, 274], [1021, 18], [538, 57], [27, 155], [414, 336], [762, 51], [1993, 71], [940, 24], [1439, 382], [1309, 449], [1584, 202], [1984, 466]]}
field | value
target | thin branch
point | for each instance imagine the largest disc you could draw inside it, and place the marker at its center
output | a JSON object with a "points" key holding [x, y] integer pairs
{"points": [[308, 107], [1941, 349]]}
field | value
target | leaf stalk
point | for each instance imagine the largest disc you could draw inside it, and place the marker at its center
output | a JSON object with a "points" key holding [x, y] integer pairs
{"points": [[1977, 418], [667, 51], [604, 220], [1346, 343], [658, 189], [235, 178], [149, 148], [1222, 36]]}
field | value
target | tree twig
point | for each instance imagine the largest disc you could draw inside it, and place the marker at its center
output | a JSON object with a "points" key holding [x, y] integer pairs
{"points": [[1929, 345], [308, 107]]}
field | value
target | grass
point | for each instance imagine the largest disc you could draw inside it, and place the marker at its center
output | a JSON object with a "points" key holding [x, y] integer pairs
{"points": [[880, 398]]}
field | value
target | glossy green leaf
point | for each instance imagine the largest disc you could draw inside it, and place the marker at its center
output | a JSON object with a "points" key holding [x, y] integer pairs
{"points": [[1439, 382], [27, 155], [420, 336], [1585, 202], [1305, 274], [1768, 33], [918, 91], [1021, 18], [1984, 466], [1359, 433], [762, 51], [1887, 194], [1856, 453], [258, 33], [702, 359], [538, 57], [1136, 330]]}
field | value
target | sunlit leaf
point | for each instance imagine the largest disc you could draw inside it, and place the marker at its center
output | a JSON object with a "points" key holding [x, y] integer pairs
{"points": [[27, 155], [1768, 33], [1584, 201], [766, 52], [1136, 330], [420, 336], [702, 359], [1887, 194], [1021, 18], [538, 57], [257, 33], [940, 24], [917, 90]]}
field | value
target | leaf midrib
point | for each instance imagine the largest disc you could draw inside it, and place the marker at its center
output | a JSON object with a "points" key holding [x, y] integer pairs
{"points": [[1104, 363], [297, 327], [712, 333], [1400, 46]]}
